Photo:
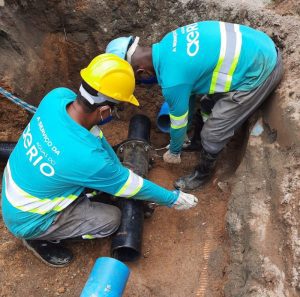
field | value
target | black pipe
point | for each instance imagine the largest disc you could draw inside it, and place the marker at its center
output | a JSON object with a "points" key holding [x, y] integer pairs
{"points": [[127, 241], [139, 128], [135, 154], [5, 150]]}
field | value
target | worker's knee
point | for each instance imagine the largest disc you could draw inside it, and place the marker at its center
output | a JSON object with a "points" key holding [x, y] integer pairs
{"points": [[106, 219], [213, 141], [111, 220], [209, 134], [115, 218]]}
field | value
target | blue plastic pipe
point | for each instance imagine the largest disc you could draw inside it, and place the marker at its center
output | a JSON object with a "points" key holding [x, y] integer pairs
{"points": [[163, 118], [108, 278]]}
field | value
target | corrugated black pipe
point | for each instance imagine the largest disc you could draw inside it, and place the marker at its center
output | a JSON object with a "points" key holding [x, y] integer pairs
{"points": [[5, 150], [135, 154]]}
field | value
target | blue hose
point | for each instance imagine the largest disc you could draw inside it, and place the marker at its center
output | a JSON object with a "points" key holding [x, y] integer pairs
{"points": [[17, 101]]}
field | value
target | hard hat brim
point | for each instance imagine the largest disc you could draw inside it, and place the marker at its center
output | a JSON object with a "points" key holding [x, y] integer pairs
{"points": [[134, 101]]}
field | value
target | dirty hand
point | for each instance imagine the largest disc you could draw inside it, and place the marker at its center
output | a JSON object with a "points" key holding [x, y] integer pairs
{"points": [[171, 158], [185, 201]]}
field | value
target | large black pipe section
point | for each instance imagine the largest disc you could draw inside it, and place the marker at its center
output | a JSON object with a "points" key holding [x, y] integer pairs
{"points": [[5, 150], [134, 153]]}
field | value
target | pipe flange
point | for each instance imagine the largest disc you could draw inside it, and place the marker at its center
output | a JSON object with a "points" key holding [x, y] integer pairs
{"points": [[133, 143]]}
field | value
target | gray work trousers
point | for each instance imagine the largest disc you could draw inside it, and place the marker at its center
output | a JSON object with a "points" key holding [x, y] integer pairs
{"points": [[84, 218], [232, 109]]}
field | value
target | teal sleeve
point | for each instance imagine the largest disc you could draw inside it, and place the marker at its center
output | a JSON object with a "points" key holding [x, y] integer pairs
{"points": [[178, 100], [110, 176], [110, 150], [155, 193]]}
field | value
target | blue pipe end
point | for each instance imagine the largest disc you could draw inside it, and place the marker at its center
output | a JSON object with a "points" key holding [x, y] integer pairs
{"points": [[108, 278], [163, 118]]}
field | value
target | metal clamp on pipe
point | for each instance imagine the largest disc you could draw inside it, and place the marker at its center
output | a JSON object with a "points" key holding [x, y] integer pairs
{"points": [[135, 154]]}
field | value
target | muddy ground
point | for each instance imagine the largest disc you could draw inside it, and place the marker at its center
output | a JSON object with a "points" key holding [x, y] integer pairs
{"points": [[243, 237]]}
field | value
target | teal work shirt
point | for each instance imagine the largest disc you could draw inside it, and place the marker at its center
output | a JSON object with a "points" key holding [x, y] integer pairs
{"points": [[54, 160], [207, 58]]}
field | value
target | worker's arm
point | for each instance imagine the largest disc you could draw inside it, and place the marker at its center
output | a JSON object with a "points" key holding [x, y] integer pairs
{"points": [[110, 176], [96, 131], [178, 100], [110, 150], [148, 188]]}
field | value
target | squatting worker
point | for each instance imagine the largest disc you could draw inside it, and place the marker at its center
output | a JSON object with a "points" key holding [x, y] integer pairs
{"points": [[61, 152], [236, 66]]}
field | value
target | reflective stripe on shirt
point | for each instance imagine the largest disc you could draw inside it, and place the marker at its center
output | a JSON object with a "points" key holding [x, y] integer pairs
{"points": [[96, 131], [231, 44], [28, 203], [132, 185], [179, 122]]}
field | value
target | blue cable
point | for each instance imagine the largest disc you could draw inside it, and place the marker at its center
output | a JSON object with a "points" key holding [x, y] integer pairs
{"points": [[18, 101]]}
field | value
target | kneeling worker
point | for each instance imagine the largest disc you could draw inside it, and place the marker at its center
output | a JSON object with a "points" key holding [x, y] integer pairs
{"points": [[60, 153]]}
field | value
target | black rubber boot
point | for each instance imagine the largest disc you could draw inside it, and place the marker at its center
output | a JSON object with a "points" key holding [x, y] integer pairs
{"points": [[52, 254], [201, 175]]}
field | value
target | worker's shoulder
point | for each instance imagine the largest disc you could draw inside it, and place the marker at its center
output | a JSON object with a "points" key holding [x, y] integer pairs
{"points": [[61, 92], [57, 96]]}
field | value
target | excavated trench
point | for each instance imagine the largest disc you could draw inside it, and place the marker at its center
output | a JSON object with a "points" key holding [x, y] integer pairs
{"points": [[243, 237]]}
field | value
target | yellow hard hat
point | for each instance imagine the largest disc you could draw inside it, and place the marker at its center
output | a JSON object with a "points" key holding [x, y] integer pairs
{"points": [[111, 76]]}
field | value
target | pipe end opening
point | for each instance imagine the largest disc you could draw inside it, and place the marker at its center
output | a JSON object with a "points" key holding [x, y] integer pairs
{"points": [[126, 254]]}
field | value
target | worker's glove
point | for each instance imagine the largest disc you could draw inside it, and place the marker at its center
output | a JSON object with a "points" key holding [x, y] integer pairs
{"points": [[185, 201], [171, 158]]}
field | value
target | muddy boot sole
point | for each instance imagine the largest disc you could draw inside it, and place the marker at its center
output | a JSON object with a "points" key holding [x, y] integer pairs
{"points": [[59, 263]]}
